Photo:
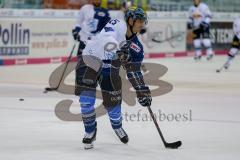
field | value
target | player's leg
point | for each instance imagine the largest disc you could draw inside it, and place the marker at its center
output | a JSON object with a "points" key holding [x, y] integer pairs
{"points": [[87, 101], [87, 94], [208, 46], [80, 68], [115, 116], [112, 98], [86, 77], [233, 51], [207, 43], [197, 44]]}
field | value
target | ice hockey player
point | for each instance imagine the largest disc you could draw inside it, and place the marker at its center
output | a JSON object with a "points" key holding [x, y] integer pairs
{"points": [[91, 19], [235, 43], [128, 54], [199, 23], [125, 5]]}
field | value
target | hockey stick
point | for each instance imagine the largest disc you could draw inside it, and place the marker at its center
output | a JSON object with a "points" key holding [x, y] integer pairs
{"points": [[173, 145], [47, 89], [168, 39], [220, 69], [227, 63]]}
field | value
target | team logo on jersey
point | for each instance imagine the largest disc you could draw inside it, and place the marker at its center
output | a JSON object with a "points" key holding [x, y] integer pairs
{"points": [[135, 47], [101, 14], [108, 29]]}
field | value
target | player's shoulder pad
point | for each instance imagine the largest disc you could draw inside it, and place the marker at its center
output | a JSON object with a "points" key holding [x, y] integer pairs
{"points": [[86, 7], [203, 5], [122, 24], [191, 8], [119, 25], [121, 21]]}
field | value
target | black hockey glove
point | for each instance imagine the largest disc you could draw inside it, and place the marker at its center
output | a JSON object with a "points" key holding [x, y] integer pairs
{"points": [[144, 96], [75, 33], [204, 25], [123, 55]]}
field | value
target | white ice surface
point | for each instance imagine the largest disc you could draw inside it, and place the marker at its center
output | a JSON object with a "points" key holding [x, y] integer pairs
{"points": [[30, 130]]}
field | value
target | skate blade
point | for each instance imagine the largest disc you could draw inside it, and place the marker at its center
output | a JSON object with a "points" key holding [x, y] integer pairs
{"points": [[88, 146]]}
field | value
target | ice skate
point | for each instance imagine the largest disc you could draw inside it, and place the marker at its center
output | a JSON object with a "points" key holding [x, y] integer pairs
{"points": [[88, 139], [122, 135], [210, 57], [197, 58]]}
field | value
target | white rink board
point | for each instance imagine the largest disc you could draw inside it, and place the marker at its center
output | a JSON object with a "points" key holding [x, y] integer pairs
{"points": [[52, 37], [43, 37], [173, 31], [50, 32]]}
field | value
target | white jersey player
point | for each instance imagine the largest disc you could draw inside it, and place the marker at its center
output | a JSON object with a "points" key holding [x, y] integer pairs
{"points": [[235, 43], [199, 22], [91, 19]]}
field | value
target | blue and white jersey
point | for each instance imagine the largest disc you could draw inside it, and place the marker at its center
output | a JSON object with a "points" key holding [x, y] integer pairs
{"points": [[91, 20], [199, 14], [105, 44], [137, 55]]}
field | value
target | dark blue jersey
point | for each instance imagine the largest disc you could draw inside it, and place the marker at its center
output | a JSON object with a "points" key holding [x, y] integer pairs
{"points": [[137, 55], [136, 50], [133, 68]]}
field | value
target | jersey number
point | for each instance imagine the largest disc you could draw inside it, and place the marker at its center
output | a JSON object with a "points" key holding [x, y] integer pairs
{"points": [[114, 21]]}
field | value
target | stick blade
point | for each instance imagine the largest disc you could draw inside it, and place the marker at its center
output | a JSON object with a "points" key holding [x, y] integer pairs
{"points": [[50, 89], [157, 41], [173, 145]]}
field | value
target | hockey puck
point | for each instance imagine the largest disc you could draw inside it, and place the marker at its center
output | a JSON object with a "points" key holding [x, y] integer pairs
{"points": [[217, 70], [21, 99]]}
